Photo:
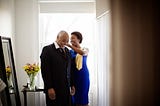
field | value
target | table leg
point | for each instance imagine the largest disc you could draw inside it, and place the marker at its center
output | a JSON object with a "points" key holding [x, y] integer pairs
{"points": [[25, 98]]}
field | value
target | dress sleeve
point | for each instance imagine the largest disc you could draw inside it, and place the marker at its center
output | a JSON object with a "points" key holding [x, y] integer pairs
{"points": [[86, 50]]}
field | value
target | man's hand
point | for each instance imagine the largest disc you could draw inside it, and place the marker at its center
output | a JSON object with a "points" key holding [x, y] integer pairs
{"points": [[51, 94], [72, 91]]}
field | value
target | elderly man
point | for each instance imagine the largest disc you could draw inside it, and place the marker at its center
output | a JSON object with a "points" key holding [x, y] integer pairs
{"points": [[56, 73]]}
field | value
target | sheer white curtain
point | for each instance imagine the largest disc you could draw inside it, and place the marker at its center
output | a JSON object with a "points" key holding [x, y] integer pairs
{"points": [[51, 24], [103, 33]]}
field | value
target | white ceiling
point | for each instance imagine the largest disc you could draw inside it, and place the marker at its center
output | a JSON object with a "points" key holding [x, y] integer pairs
{"points": [[67, 6], [66, 1]]}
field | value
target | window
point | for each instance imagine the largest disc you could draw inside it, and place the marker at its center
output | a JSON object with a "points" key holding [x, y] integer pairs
{"points": [[52, 23]]}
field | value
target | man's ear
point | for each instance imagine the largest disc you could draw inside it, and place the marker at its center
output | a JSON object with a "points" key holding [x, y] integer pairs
{"points": [[58, 37]]}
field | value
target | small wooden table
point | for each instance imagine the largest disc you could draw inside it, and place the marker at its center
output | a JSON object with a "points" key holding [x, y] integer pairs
{"points": [[26, 90]]}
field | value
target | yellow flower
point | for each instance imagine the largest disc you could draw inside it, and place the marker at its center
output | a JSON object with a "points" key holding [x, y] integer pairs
{"points": [[31, 68], [8, 71]]}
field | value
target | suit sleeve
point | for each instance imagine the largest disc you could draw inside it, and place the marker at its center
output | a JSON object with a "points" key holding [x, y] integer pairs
{"points": [[46, 68]]}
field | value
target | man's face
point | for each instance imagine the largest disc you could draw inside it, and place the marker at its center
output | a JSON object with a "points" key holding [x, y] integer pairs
{"points": [[62, 40]]}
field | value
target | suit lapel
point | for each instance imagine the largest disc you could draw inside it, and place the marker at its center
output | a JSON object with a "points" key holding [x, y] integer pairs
{"points": [[67, 53]]}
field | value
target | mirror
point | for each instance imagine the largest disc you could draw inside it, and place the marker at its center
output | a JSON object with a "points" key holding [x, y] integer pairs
{"points": [[4, 94], [10, 72]]}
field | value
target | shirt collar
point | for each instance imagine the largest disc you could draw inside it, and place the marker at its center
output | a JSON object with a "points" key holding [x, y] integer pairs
{"points": [[56, 45]]}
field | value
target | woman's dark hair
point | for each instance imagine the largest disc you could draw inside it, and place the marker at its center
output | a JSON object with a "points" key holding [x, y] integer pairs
{"points": [[78, 35]]}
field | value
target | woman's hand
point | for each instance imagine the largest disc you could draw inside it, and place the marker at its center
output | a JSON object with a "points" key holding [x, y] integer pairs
{"points": [[67, 44], [51, 94]]}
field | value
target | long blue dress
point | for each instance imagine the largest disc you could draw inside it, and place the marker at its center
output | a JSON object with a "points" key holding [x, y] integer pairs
{"points": [[81, 81]]}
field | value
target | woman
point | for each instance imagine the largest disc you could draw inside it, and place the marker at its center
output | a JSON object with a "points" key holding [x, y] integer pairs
{"points": [[81, 72]]}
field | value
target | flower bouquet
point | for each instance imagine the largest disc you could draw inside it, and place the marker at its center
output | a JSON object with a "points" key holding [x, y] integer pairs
{"points": [[32, 70], [8, 71], [8, 74]]}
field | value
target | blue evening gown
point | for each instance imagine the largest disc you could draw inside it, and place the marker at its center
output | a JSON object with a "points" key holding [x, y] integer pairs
{"points": [[81, 81]]}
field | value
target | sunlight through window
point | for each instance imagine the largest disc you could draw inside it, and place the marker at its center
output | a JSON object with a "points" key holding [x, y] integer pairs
{"points": [[52, 23]]}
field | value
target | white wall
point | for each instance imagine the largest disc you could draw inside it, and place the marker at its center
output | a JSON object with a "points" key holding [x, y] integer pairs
{"points": [[26, 39], [7, 23], [7, 20]]}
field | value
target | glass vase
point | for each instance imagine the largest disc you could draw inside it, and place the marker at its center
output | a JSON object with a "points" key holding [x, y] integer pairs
{"points": [[9, 80], [32, 82]]}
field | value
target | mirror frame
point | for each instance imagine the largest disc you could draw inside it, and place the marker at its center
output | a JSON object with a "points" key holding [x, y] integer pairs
{"points": [[4, 76], [6, 101]]}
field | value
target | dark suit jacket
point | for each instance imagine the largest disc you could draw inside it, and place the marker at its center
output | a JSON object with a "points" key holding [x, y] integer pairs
{"points": [[56, 71]]}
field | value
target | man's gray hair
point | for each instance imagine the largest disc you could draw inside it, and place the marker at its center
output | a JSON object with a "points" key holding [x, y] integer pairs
{"points": [[62, 32]]}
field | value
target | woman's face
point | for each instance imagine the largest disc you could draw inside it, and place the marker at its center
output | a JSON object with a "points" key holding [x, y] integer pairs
{"points": [[74, 40]]}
